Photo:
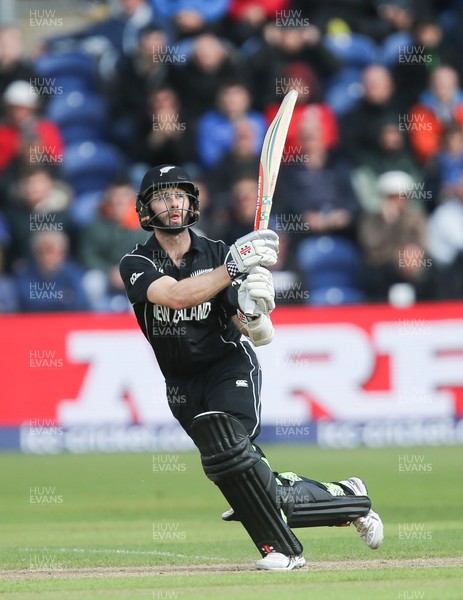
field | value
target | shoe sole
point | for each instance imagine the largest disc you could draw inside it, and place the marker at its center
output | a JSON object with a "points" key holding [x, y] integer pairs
{"points": [[299, 565]]}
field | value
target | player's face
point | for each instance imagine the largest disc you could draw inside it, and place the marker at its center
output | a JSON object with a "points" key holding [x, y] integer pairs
{"points": [[171, 206]]}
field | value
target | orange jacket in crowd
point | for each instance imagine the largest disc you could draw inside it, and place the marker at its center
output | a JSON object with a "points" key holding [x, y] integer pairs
{"points": [[426, 130]]}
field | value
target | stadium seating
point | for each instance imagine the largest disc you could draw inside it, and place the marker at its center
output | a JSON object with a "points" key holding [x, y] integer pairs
{"points": [[79, 116], [84, 207], [331, 268], [71, 71], [344, 89], [355, 51], [91, 166]]}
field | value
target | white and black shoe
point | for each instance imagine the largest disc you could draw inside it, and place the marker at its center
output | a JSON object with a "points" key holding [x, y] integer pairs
{"points": [[229, 515], [370, 527], [276, 561]]}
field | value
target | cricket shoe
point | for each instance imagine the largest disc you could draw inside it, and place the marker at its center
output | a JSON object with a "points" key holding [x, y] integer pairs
{"points": [[370, 527], [275, 561], [229, 515]]}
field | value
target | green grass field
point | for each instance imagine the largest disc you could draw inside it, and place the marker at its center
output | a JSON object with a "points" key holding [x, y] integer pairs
{"points": [[148, 527]]}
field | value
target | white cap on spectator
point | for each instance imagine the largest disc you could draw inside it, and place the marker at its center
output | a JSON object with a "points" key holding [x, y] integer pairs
{"points": [[394, 182], [20, 93]]}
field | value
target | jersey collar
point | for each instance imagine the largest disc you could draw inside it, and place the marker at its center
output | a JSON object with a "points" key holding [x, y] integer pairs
{"points": [[197, 243]]}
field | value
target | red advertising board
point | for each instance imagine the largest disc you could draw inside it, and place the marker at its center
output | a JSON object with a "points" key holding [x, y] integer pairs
{"points": [[346, 364]]}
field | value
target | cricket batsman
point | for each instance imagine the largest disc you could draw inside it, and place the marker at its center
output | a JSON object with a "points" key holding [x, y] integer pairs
{"points": [[188, 294]]}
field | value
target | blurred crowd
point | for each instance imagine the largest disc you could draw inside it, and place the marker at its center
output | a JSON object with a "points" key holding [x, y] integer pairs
{"points": [[369, 202]]}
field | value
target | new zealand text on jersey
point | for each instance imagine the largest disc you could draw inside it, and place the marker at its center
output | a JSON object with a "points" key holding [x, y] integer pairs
{"points": [[168, 315]]}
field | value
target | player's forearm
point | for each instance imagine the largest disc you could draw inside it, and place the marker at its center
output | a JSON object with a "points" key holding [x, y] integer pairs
{"points": [[193, 290]]}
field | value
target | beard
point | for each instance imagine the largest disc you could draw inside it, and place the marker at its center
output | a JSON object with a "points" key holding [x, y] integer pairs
{"points": [[173, 229]]}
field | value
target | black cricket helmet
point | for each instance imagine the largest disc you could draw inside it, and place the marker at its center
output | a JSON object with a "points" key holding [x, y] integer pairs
{"points": [[166, 177]]}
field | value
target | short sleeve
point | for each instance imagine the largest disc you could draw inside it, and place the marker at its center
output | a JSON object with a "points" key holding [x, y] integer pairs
{"points": [[138, 273], [229, 296]]}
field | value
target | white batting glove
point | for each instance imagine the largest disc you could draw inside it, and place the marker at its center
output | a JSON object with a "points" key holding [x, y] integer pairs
{"points": [[256, 294], [258, 248], [260, 329]]}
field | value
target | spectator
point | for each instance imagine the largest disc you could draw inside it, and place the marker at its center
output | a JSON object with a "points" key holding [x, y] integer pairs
{"points": [[415, 61], [137, 74], [360, 141], [392, 154], [394, 242], [242, 209], [242, 158], [445, 244], [399, 15], [8, 291], [216, 129], [450, 158], [114, 232], [309, 107], [318, 190], [25, 138], [49, 282], [13, 64], [119, 32], [213, 216], [452, 21], [211, 62], [246, 18], [38, 203], [439, 106], [163, 133], [323, 209], [279, 47], [189, 17], [358, 16]]}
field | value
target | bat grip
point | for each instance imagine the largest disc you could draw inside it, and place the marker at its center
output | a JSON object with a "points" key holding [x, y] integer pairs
{"points": [[250, 307]]}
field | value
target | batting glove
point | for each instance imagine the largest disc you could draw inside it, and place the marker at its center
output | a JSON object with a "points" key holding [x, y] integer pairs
{"points": [[260, 329], [258, 248], [256, 294]]}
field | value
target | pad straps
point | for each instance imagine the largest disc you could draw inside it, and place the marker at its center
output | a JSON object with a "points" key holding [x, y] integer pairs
{"points": [[246, 481]]}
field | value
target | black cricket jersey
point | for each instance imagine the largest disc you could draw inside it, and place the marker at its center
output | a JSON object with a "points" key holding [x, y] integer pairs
{"points": [[186, 340]]}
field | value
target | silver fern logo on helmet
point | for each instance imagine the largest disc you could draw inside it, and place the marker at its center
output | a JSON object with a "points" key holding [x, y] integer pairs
{"points": [[166, 170]]}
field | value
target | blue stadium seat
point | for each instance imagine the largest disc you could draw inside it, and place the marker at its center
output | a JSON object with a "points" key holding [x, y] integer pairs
{"points": [[393, 46], [331, 267], [79, 116], [335, 296], [91, 166], [84, 207], [70, 70], [353, 49], [344, 89]]}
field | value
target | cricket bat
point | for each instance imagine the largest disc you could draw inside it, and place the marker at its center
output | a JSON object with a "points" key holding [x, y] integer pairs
{"points": [[270, 159], [269, 166]]}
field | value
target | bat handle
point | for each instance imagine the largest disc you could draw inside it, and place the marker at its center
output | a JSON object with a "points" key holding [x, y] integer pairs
{"points": [[250, 304], [250, 307]]}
